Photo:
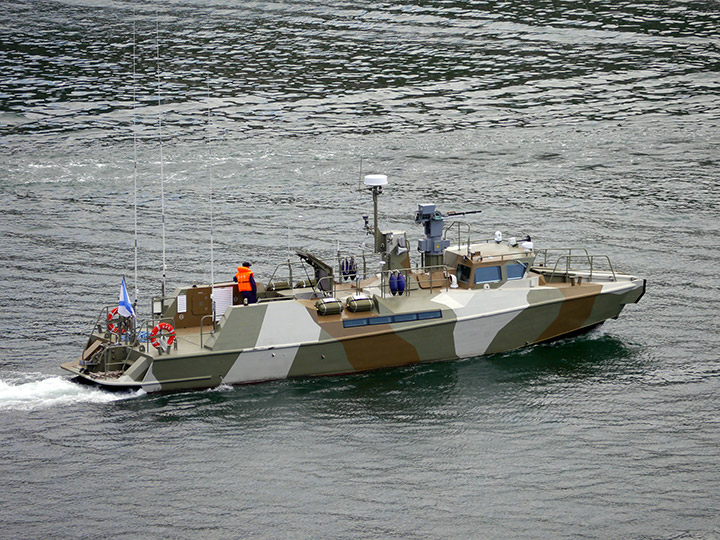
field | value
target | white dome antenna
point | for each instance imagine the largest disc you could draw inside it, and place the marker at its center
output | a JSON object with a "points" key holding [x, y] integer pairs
{"points": [[375, 180]]}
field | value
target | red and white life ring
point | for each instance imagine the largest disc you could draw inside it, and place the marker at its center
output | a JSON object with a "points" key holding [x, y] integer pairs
{"points": [[157, 333], [113, 316]]}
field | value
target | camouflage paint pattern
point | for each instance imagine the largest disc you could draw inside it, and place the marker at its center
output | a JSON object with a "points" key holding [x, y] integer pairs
{"points": [[287, 337]]}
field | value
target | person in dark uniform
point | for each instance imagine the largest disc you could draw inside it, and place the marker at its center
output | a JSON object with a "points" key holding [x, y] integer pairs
{"points": [[245, 280]]}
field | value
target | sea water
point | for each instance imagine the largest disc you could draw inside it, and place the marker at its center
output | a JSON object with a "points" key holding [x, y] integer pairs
{"points": [[578, 123]]}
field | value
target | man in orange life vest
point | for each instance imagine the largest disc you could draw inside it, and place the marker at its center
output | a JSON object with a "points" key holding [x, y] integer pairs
{"points": [[246, 283]]}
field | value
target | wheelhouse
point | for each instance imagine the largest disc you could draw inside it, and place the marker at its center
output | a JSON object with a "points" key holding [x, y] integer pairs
{"points": [[489, 265]]}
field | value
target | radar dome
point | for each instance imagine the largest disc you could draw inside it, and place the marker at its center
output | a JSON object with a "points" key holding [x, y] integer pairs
{"points": [[375, 180]]}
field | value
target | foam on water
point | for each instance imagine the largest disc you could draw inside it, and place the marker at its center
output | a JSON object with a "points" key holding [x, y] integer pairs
{"points": [[222, 388], [52, 391]]}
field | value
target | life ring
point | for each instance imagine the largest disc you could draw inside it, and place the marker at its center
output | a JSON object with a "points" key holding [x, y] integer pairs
{"points": [[113, 316], [156, 334]]}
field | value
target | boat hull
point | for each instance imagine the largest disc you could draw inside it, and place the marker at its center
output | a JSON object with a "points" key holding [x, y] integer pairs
{"points": [[289, 339]]}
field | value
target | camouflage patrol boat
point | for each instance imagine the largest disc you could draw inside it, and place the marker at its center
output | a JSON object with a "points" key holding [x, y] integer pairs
{"points": [[462, 299]]}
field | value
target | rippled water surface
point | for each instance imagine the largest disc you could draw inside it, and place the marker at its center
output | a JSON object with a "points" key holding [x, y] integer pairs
{"points": [[580, 123]]}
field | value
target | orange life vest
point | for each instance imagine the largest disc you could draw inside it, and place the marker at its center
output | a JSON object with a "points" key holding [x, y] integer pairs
{"points": [[243, 278]]}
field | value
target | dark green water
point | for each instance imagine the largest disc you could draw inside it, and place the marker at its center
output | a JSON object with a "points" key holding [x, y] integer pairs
{"points": [[580, 123]]}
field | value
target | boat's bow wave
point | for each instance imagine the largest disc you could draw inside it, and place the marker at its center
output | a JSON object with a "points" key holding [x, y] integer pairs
{"points": [[30, 392]]}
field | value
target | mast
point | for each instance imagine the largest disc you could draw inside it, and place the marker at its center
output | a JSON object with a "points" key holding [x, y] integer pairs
{"points": [[375, 183], [162, 174], [376, 191]]}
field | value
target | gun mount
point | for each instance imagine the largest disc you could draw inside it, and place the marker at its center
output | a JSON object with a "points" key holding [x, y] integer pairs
{"points": [[433, 245]]}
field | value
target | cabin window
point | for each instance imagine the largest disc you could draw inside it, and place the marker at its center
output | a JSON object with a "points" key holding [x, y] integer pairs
{"points": [[516, 270], [488, 274], [463, 273]]}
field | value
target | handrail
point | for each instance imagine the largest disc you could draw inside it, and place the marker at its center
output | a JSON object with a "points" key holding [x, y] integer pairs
{"points": [[290, 281], [340, 256], [147, 326], [501, 256], [545, 251], [607, 258], [458, 223], [333, 286], [287, 263], [591, 263], [413, 285], [202, 320], [431, 269], [102, 320], [143, 336], [118, 362]]}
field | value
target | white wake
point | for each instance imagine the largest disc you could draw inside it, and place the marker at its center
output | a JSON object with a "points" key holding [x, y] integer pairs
{"points": [[28, 392]]}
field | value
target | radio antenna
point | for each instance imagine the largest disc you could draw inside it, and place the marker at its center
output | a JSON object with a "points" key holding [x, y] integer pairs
{"points": [[212, 255], [162, 173], [134, 98]]}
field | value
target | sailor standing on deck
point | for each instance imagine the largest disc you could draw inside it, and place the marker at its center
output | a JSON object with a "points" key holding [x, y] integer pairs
{"points": [[246, 283]]}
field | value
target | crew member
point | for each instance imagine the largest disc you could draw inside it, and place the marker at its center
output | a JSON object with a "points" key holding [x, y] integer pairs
{"points": [[245, 280]]}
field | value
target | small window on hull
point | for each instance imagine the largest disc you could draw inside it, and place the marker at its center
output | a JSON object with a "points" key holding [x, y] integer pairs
{"points": [[488, 274], [389, 319]]}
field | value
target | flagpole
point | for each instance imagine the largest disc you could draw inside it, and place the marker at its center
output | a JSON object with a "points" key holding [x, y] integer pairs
{"points": [[125, 309]]}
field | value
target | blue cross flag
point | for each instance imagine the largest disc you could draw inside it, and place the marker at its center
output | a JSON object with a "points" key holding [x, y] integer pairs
{"points": [[125, 307]]}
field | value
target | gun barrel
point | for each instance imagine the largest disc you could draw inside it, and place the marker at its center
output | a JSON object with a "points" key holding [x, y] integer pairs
{"points": [[452, 213]]}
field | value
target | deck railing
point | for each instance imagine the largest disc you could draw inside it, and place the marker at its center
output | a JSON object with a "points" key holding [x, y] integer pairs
{"points": [[413, 279], [564, 263], [458, 225]]}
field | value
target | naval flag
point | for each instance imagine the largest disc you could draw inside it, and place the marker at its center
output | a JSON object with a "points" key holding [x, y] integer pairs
{"points": [[125, 307]]}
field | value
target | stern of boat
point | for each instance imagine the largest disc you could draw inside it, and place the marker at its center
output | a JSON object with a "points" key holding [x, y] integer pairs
{"points": [[110, 361]]}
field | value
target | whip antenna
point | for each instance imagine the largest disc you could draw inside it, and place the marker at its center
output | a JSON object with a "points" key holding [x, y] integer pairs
{"points": [[134, 97], [212, 256], [162, 174]]}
